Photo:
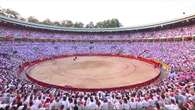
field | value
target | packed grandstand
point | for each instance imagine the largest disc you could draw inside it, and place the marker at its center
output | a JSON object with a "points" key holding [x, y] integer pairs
{"points": [[170, 43]]}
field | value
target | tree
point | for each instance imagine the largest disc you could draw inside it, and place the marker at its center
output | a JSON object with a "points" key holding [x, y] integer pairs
{"points": [[67, 23], [99, 25], [90, 25], [47, 21], [115, 23], [56, 23], [32, 19], [2, 11], [78, 25], [12, 13], [108, 24]]}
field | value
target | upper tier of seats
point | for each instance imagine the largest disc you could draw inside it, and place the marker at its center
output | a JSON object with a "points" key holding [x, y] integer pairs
{"points": [[16, 29]]}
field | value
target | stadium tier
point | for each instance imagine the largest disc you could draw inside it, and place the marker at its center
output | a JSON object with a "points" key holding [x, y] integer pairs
{"points": [[171, 43]]}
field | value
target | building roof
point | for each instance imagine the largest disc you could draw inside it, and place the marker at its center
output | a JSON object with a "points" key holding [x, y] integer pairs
{"points": [[69, 29]]}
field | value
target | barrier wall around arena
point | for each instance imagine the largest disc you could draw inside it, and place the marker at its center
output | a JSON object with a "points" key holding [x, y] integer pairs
{"points": [[160, 39]]}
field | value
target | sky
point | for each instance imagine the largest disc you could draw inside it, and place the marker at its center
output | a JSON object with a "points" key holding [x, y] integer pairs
{"points": [[129, 12]]}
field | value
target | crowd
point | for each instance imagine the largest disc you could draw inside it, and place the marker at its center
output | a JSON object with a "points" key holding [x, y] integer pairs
{"points": [[172, 93], [13, 31], [175, 92], [180, 55]]}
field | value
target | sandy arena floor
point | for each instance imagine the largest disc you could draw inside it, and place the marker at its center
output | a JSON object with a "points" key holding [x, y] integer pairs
{"points": [[93, 72]]}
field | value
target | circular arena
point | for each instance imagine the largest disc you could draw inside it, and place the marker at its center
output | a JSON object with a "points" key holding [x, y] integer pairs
{"points": [[101, 72]]}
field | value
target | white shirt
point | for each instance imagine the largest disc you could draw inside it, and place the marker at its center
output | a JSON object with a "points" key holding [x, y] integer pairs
{"points": [[105, 106], [125, 106], [133, 105], [37, 102], [65, 103], [172, 107], [91, 106]]}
